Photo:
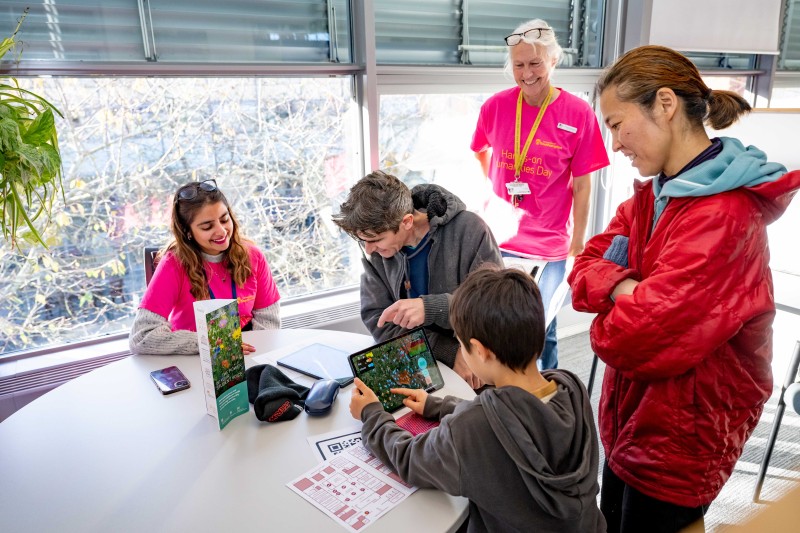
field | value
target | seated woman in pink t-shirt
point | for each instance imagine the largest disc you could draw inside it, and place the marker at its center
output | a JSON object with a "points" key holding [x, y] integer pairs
{"points": [[206, 259]]}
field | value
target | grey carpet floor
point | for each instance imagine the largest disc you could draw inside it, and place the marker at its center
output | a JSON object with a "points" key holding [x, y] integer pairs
{"points": [[734, 505]]}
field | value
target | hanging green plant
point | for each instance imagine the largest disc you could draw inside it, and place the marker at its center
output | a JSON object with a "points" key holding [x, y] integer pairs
{"points": [[30, 162]]}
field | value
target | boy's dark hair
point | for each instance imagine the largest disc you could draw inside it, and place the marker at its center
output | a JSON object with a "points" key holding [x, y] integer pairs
{"points": [[503, 310], [377, 203]]}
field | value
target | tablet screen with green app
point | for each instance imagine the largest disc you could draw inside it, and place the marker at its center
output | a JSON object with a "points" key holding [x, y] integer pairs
{"points": [[405, 361]]}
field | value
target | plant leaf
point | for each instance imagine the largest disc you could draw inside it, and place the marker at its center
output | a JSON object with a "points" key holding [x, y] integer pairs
{"points": [[20, 209], [30, 159], [51, 160], [9, 134], [41, 129]]}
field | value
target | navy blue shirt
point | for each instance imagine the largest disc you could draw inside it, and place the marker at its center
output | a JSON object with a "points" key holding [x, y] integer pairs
{"points": [[417, 271], [709, 153]]}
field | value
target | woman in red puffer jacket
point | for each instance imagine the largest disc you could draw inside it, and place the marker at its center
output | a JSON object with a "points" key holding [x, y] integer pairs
{"points": [[681, 285]]}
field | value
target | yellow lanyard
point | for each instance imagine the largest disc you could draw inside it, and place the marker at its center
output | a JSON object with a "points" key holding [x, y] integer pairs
{"points": [[519, 157]]}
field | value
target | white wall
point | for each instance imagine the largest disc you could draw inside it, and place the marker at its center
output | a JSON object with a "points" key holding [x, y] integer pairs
{"points": [[775, 132]]}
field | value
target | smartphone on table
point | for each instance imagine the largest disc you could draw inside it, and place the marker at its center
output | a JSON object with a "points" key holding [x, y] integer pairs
{"points": [[169, 380]]}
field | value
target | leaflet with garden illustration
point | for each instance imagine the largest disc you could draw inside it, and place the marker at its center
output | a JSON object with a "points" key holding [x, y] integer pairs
{"points": [[219, 336]]}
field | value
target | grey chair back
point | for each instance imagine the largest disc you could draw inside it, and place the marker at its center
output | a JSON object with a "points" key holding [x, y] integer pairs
{"points": [[150, 261]]}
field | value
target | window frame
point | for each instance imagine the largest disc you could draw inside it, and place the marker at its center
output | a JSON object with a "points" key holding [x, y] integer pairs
{"points": [[370, 81]]}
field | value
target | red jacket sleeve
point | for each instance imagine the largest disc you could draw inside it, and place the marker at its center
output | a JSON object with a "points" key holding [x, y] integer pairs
{"points": [[593, 278], [700, 288]]}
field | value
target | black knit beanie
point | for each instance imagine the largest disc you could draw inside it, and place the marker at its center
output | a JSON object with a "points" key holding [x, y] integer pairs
{"points": [[274, 396], [430, 199]]}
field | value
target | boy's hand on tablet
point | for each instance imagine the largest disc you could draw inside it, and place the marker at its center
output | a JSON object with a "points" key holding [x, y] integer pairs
{"points": [[415, 399], [362, 395]]}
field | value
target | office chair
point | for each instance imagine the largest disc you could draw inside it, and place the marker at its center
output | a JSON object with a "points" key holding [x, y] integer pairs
{"points": [[790, 394], [150, 262]]}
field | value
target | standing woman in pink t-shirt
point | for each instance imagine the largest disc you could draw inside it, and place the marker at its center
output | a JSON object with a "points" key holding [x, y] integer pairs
{"points": [[207, 259], [538, 145]]}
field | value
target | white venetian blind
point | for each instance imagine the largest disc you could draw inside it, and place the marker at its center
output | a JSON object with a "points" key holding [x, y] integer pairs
{"points": [[207, 31], [442, 32], [790, 49]]}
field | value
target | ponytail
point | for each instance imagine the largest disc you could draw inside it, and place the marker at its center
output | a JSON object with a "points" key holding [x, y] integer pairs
{"points": [[725, 108]]}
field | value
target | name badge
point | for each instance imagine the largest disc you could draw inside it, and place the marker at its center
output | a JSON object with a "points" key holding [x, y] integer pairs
{"points": [[567, 127], [518, 188]]}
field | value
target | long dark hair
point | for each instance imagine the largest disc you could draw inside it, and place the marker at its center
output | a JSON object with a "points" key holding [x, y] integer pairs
{"points": [[187, 251]]}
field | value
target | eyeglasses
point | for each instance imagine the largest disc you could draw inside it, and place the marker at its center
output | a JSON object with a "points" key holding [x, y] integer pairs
{"points": [[534, 33], [190, 192], [363, 244]]}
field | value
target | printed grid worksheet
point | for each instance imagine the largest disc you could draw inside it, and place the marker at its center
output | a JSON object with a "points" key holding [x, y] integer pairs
{"points": [[353, 487]]}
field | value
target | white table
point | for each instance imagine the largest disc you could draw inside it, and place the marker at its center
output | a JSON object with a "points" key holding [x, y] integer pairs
{"points": [[108, 452]]}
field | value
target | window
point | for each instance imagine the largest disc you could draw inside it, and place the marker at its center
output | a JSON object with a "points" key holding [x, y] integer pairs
{"points": [[452, 32], [245, 31], [283, 151], [789, 58], [425, 138]]}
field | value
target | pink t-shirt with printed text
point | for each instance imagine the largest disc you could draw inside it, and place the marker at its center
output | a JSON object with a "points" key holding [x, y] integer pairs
{"points": [[568, 143], [168, 293]]}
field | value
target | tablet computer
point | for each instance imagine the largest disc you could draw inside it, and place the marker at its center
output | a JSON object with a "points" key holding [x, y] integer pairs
{"points": [[404, 361], [320, 361]]}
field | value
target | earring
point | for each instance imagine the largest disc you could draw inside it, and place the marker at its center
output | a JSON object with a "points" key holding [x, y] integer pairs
{"points": [[189, 236]]}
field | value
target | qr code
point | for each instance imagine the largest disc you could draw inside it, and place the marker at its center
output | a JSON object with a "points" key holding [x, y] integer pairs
{"points": [[339, 446]]}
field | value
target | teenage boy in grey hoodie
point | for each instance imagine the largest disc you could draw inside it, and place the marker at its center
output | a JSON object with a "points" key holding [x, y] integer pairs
{"points": [[524, 453], [418, 246]]}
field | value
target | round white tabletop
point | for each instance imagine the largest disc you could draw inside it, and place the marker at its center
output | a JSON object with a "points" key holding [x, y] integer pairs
{"points": [[108, 452]]}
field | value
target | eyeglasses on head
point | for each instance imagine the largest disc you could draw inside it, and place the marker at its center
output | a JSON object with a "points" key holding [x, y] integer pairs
{"points": [[533, 33]]}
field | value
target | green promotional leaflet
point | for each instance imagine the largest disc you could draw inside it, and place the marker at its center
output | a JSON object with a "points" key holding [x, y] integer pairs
{"points": [[219, 336]]}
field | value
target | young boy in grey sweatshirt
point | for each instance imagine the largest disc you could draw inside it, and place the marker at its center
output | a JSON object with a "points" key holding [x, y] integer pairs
{"points": [[525, 453]]}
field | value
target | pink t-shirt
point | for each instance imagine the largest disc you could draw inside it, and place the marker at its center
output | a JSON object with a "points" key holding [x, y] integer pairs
{"points": [[568, 143], [168, 293]]}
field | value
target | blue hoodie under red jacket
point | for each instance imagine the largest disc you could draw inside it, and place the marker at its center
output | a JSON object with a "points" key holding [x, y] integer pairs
{"points": [[689, 353]]}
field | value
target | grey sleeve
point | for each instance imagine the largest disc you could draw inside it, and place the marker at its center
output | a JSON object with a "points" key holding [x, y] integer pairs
{"points": [[444, 347], [437, 408], [427, 460], [437, 309], [376, 296], [151, 334], [267, 317]]}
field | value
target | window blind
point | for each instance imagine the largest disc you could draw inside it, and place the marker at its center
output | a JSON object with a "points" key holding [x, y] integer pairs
{"points": [[208, 31], [417, 31], [442, 32], [489, 22], [790, 45], [76, 30]]}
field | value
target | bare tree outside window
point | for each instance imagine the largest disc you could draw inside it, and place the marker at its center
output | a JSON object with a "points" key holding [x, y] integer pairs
{"points": [[283, 150]]}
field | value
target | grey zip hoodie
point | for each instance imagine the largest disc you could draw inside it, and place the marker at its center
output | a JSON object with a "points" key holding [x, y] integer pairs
{"points": [[524, 465], [460, 242]]}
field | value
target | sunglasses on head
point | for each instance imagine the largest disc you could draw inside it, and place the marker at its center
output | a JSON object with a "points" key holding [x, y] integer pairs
{"points": [[190, 192]]}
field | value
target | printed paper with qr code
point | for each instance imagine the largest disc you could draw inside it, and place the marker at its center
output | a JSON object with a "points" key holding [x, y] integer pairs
{"points": [[353, 488], [327, 445]]}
